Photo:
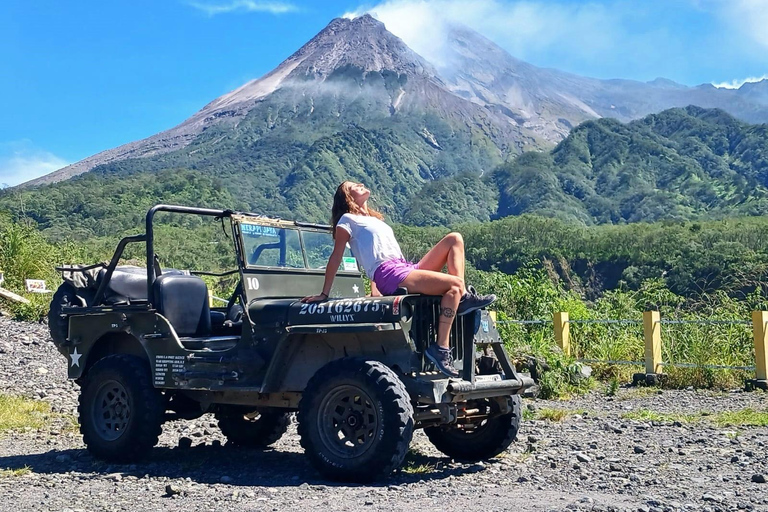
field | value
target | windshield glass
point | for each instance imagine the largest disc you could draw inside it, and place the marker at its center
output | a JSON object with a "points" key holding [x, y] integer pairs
{"points": [[269, 246], [319, 246]]}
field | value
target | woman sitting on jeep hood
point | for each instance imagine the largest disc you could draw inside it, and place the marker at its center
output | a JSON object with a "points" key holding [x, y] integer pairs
{"points": [[373, 243]]}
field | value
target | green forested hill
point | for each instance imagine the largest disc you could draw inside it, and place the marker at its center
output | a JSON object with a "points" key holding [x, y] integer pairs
{"points": [[682, 164]]}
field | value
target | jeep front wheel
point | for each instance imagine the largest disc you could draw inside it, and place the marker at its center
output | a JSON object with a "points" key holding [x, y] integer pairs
{"points": [[257, 429], [121, 412], [355, 420], [481, 440]]}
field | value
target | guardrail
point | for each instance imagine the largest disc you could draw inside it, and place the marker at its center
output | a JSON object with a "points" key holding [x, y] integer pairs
{"points": [[652, 323]]}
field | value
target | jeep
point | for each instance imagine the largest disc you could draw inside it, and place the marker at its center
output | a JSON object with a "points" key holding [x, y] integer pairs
{"points": [[146, 345]]}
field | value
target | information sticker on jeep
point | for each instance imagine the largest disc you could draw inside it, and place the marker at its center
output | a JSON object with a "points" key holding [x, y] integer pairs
{"points": [[350, 264], [255, 229]]}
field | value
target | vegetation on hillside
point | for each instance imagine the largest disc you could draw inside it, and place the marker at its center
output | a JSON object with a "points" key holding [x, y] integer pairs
{"points": [[681, 164]]}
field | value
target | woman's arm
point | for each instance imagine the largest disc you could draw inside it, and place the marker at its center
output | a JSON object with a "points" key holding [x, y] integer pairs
{"points": [[374, 290], [342, 237]]}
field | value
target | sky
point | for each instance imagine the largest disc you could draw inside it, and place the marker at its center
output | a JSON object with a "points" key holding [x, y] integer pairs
{"points": [[81, 77]]}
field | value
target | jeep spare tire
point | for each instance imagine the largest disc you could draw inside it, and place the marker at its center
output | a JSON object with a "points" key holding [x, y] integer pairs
{"points": [[58, 323], [355, 420]]}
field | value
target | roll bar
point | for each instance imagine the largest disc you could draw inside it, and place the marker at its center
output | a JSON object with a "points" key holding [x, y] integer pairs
{"points": [[151, 238]]}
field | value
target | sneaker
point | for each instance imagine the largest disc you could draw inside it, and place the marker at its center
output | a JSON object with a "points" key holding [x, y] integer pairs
{"points": [[471, 301], [442, 359]]}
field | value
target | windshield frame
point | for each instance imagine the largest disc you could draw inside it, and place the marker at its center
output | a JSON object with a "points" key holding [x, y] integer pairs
{"points": [[301, 229]]}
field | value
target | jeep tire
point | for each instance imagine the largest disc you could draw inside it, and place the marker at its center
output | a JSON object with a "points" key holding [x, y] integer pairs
{"points": [[488, 439], [121, 413], [355, 420], [58, 323], [258, 430]]}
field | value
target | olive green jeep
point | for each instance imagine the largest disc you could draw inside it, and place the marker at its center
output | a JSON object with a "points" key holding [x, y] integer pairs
{"points": [[147, 346]]}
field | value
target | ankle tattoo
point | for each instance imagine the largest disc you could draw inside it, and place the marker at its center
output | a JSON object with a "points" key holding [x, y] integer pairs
{"points": [[447, 312]]}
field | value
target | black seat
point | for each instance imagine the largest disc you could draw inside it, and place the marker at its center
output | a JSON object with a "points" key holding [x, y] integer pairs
{"points": [[183, 300], [128, 284]]}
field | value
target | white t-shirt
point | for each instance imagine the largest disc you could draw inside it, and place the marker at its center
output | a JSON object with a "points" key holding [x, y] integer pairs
{"points": [[372, 241]]}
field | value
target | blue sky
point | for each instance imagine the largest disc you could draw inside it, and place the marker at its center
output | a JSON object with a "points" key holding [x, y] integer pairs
{"points": [[80, 77]]}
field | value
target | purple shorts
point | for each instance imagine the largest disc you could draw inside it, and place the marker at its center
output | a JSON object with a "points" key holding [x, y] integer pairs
{"points": [[391, 273]]}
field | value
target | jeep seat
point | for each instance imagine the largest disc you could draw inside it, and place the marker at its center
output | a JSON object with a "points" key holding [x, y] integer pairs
{"points": [[128, 284], [183, 300]]}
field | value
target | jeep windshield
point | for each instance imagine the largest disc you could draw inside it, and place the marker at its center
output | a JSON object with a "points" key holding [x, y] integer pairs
{"points": [[284, 247]]}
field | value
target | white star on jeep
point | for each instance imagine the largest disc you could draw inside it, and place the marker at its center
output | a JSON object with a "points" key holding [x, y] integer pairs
{"points": [[75, 358], [355, 288]]}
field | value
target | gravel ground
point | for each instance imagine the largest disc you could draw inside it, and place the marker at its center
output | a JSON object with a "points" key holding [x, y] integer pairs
{"points": [[592, 460]]}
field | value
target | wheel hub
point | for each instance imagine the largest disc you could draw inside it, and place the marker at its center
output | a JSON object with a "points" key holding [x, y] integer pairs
{"points": [[111, 410], [348, 421]]}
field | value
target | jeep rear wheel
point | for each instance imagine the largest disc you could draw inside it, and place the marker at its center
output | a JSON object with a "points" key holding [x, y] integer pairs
{"points": [[481, 440], [257, 429], [121, 412], [355, 420]]}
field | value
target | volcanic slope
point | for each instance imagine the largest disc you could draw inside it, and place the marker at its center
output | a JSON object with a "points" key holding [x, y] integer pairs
{"points": [[357, 103], [353, 103]]}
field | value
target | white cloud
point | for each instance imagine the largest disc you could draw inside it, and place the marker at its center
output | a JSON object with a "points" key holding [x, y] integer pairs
{"points": [[588, 31], [737, 83], [749, 17], [21, 161], [213, 8]]}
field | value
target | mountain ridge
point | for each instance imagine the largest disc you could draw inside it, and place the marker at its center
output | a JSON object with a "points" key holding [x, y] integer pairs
{"points": [[517, 105]]}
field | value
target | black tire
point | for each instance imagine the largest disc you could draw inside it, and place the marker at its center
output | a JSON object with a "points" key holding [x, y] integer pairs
{"points": [[58, 324], [258, 432], [489, 439], [121, 413], [349, 393]]}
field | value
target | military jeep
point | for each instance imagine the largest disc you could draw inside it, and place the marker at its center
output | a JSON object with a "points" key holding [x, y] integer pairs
{"points": [[146, 346]]}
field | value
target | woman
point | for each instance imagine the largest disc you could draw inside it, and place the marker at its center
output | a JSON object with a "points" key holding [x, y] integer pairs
{"points": [[373, 244]]}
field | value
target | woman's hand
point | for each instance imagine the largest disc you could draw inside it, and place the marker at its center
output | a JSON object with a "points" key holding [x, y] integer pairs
{"points": [[315, 298]]}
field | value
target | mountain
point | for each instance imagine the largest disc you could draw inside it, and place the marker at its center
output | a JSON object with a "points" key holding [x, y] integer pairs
{"points": [[354, 72], [523, 105], [680, 164], [355, 102]]}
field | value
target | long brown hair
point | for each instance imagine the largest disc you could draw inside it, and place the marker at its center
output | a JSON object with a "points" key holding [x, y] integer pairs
{"points": [[343, 203]]}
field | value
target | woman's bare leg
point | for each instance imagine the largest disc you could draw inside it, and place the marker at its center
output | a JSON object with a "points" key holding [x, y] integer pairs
{"points": [[447, 252], [450, 287]]}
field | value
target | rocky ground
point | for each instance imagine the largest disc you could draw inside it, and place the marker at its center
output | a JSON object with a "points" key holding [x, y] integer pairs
{"points": [[594, 459]]}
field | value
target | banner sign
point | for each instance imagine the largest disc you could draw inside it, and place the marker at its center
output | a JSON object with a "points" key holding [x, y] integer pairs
{"points": [[36, 286]]}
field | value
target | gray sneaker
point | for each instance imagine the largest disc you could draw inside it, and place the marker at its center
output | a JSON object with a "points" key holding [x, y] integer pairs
{"points": [[471, 301], [442, 359]]}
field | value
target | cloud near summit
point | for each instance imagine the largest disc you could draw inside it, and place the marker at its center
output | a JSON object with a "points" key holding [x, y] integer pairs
{"points": [[526, 29], [600, 38]]}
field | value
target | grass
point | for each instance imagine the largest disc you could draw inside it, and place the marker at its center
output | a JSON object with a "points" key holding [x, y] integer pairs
{"points": [[71, 424], [556, 415], [7, 473], [417, 469], [661, 417], [18, 413], [415, 464], [740, 418]]}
